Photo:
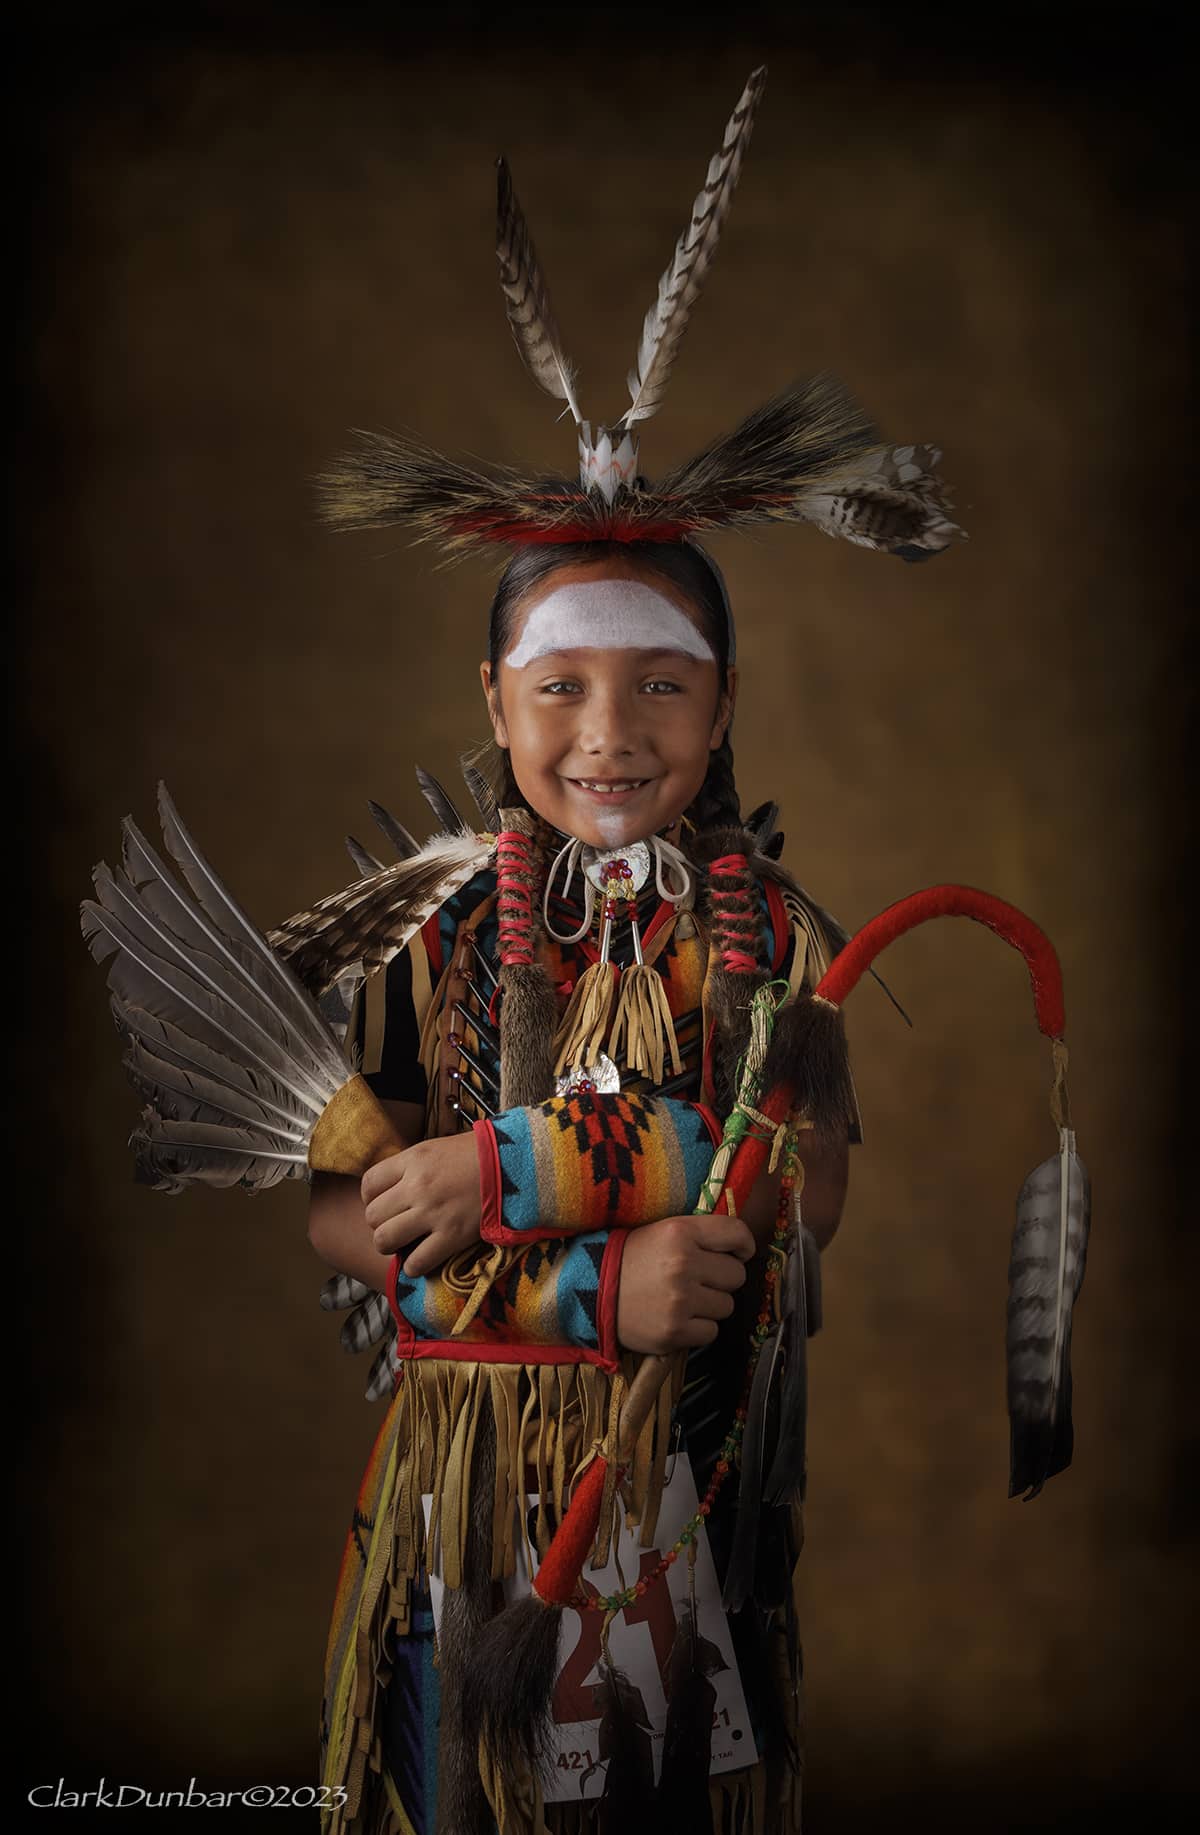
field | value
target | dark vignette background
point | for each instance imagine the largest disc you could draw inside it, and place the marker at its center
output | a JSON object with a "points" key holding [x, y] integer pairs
{"points": [[261, 224]]}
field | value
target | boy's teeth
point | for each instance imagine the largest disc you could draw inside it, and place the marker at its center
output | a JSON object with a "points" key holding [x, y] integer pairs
{"points": [[629, 784]]}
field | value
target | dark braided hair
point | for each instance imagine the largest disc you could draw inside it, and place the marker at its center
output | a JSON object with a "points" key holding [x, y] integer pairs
{"points": [[686, 566]]}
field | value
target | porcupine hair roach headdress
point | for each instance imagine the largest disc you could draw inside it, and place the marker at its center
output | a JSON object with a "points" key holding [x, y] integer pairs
{"points": [[808, 455]]}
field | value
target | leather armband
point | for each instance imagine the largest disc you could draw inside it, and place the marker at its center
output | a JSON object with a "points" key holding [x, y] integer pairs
{"points": [[591, 1162]]}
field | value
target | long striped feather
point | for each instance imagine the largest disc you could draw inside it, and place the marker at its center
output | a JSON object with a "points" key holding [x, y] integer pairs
{"points": [[527, 297], [679, 288]]}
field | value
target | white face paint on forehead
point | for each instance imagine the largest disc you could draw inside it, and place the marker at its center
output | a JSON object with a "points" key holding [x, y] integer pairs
{"points": [[607, 615]]}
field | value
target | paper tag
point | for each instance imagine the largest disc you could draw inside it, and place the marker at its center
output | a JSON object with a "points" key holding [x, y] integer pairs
{"points": [[640, 1640]]}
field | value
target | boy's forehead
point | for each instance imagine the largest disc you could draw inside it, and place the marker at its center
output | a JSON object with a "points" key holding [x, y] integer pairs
{"points": [[616, 613]]}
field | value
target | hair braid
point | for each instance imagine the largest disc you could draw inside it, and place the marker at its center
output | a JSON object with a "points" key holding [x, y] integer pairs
{"points": [[717, 804]]}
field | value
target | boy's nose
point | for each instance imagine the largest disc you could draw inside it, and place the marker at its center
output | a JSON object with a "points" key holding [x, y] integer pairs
{"points": [[608, 731]]}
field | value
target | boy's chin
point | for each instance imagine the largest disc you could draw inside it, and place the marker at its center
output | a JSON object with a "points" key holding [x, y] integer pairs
{"points": [[604, 828]]}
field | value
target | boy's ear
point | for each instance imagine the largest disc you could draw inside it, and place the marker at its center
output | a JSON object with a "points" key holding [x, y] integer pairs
{"points": [[495, 711], [724, 713]]}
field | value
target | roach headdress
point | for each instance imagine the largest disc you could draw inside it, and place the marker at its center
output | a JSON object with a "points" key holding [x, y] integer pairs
{"points": [[808, 455]]}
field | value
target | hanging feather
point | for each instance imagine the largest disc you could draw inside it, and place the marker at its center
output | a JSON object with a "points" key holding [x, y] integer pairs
{"points": [[1049, 1254], [787, 1478], [679, 287], [363, 860], [527, 298], [625, 1747], [369, 922], [405, 844], [741, 1573], [682, 1801]]}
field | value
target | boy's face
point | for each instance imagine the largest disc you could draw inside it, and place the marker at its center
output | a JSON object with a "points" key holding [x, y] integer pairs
{"points": [[608, 740]]}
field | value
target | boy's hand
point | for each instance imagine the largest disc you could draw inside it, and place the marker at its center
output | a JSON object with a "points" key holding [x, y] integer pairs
{"points": [[678, 1278], [430, 1191]]}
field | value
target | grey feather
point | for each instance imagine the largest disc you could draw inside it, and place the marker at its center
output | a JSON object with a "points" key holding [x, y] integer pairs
{"points": [[679, 287], [244, 942], [364, 861], [1049, 1255], [787, 1481], [482, 795], [740, 1574], [447, 815], [404, 843], [527, 297]]}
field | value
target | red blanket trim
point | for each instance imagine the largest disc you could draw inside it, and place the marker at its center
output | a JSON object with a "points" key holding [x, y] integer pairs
{"points": [[490, 1226], [606, 1300]]}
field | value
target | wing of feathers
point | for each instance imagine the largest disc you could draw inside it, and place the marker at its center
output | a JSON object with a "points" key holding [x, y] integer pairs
{"points": [[222, 1040], [1049, 1254], [527, 299], [679, 288], [370, 921]]}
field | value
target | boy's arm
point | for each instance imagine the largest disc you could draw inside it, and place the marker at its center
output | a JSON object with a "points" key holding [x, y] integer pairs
{"points": [[337, 1224]]}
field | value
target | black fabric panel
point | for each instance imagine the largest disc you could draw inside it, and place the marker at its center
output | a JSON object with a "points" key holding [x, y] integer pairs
{"points": [[399, 1077]]}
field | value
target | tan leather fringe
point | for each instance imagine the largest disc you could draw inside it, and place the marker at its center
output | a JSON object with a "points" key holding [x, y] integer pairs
{"points": [[584, 1026], [549, 1421], [644, 1024]]}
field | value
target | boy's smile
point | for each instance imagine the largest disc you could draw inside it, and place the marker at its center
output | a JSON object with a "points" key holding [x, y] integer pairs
{"points": [[608, 742]]}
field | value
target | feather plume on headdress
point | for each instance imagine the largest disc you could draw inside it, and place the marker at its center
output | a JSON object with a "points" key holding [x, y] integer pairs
{"points": [[809, 455]]}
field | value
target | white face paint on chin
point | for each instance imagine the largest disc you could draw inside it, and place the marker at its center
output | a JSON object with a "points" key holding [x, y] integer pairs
{"points": [[607, 615], [617, 826]]}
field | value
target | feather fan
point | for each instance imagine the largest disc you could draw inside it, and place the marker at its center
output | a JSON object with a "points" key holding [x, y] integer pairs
{"points": [[231, 1053]]}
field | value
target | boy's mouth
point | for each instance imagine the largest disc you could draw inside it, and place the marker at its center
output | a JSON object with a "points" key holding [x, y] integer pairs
{"points": [[609, 788]]}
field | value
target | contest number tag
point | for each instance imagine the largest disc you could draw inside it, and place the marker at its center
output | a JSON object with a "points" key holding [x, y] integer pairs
{"points": [[640, 1640]]}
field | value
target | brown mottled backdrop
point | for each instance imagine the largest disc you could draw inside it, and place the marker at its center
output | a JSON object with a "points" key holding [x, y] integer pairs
{"points": [[276, 224]]}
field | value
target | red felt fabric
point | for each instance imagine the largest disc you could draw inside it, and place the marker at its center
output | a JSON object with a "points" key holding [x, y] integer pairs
{"points": [[1011, 925], [556, 1579]]}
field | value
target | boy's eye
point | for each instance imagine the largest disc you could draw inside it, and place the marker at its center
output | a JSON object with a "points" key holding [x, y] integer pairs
{"points": [[559, 688], [660, 687]]}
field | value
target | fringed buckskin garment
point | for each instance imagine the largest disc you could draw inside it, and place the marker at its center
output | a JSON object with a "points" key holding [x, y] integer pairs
{"points": [[513, 1348]]}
